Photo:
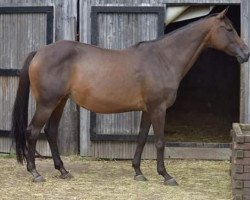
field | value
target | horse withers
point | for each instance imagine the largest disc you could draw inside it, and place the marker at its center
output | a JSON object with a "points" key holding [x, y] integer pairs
{"points": [[144, 77]]}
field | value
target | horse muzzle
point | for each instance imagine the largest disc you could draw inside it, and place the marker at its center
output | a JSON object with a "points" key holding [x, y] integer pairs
{"points": [[243, 56]]}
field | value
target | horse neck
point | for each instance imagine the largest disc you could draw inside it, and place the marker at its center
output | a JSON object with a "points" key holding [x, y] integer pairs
{"points": [[181, 49]]}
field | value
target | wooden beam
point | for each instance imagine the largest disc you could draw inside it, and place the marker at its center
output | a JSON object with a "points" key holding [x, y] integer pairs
{"points": [[197, 2]]}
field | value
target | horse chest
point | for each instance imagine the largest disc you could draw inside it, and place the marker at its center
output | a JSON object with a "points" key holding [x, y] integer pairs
{"points": [[161, 93]]}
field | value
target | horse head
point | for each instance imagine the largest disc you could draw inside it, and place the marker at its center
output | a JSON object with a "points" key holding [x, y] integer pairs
{"points": [[223, 36]]}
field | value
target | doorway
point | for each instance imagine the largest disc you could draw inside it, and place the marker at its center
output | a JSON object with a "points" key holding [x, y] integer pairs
{"points": [[208, 98]]}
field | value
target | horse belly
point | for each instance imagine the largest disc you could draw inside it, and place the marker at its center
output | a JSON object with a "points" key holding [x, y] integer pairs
{"points": [[108, 99], [100, 104]]}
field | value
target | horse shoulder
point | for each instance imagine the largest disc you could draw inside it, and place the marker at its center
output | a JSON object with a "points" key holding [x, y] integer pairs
{"points": [[159, 82]]}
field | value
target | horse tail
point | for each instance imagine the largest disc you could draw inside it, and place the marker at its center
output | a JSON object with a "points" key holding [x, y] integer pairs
{"points": [[20, 110]]}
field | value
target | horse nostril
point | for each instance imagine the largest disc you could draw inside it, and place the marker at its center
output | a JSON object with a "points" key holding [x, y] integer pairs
{"points": [[247, 55], [246, 52], [243, 56]]}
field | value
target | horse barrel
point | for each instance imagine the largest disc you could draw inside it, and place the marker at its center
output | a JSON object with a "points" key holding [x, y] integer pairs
{"points": [[240, 161]]}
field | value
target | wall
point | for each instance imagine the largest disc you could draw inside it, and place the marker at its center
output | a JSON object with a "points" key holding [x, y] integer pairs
{"points": [[64, 28]]}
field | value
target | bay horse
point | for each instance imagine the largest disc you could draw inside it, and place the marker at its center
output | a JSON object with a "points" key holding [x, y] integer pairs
{"points": [[144, 77]]}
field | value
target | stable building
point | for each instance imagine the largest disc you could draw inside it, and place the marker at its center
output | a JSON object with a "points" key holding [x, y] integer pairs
{"points": [[213, 95]]}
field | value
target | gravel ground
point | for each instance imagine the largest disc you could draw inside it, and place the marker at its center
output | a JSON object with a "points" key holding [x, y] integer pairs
{"points": [[102, 179]]}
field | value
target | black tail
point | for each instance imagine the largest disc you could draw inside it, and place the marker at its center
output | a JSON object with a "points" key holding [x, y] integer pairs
{"points": [[20, 110]]}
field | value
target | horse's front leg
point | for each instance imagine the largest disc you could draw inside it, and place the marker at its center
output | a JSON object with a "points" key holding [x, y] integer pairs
{"points": [[141, 141], [157, 116]]}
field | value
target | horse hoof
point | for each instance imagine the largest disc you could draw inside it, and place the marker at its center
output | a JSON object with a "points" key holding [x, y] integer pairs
{"points": [[140, 178], [171, 182], [66, 176], [38, 179]]}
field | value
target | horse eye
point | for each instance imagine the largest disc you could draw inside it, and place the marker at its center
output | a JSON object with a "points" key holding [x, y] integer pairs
{"points": [[229, 29]]}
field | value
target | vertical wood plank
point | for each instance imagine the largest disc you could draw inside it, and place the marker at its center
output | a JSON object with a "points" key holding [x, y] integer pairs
{"points": [[65, 29], [202, 1], [245, 69], [20, 34]]}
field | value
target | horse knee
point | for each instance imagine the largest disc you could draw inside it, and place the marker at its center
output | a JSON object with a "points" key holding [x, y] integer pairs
{"points": [[160, 144]]}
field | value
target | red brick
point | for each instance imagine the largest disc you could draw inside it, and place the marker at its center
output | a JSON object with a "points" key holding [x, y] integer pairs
{"points": [[247, 154], [246, 184], [247, 168], [244, 176], [245, 146], [244, 191], [241, 161], [238, 184]]}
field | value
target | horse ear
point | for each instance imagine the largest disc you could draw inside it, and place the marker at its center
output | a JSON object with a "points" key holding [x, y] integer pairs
{"points": [[222, 14]]}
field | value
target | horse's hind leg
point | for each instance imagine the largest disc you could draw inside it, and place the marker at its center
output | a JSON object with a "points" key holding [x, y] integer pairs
{"points": [[142, 138], [40, 117], [51, 131]]}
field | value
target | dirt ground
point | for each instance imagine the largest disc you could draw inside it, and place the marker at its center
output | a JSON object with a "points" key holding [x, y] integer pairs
{"points": [[102, 179], [197, 127]]}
